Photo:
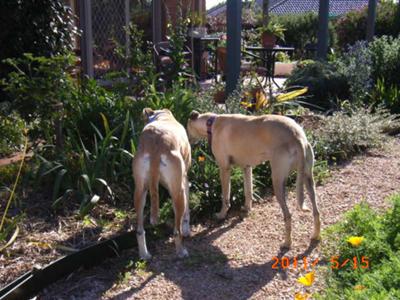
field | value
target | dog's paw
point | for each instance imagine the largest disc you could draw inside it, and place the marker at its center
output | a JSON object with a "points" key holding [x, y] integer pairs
{"points": [[154, 220], [304, 208], [182, 253], [186, 230], [145, 256], [221, 215]]}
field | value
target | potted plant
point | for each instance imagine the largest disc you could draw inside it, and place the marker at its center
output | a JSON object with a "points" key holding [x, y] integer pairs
{"points": [[221, 53], [196, 21], [270, 33]]}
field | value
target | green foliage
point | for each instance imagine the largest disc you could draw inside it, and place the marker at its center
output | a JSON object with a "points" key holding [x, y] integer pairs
{"points": [[40, 27], [381, 280], [177, 36], [346, 133], [385, 53], [371, 70], [11, 128], [86, 173], [37, 84], [139, 58], [302, 29], [352, 26], [326, 85]]}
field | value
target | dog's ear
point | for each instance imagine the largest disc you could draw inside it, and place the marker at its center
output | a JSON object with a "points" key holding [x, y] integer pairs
{"points": [[147, 112], [194, 115]]}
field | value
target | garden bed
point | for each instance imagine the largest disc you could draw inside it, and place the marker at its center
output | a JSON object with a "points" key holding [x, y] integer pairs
{"points": [[227, 263]]}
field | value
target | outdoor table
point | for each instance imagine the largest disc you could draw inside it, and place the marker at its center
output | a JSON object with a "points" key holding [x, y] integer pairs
{"points": [[268, 59], [200, 46]]}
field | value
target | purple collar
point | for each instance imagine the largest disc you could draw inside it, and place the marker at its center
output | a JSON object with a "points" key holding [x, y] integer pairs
{"points": [[209, 124]]}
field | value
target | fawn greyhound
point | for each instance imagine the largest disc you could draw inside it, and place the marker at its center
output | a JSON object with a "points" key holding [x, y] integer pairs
{"points": [[247, 141], [164, 156]]}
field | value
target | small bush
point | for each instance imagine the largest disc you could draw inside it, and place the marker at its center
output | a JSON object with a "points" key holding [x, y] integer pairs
{"points": [[345, 134], [326, 85], [352, 26], [380, 247], [301, 30], [11, 128]]}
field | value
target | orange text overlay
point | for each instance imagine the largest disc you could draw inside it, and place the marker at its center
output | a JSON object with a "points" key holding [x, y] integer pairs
{"points": [[335, 262]]}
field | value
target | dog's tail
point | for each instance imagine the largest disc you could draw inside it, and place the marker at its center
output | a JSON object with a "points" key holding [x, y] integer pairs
{"points": [[154, 179], [301, 172]]}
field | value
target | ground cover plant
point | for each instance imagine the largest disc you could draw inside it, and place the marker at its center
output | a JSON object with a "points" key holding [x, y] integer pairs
{"points": [[371, 240]]}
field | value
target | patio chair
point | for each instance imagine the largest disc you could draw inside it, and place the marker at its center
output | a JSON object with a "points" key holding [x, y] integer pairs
{"points": [[164, 62]]}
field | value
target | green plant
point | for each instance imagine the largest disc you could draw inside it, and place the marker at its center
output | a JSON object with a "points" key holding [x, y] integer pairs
{"points": [[41, 27], [352, 26], [85, 173], [325, 84], [11, 127], [346, 133], [380, 278], [386, 95], [37, 85], [273, 28]]}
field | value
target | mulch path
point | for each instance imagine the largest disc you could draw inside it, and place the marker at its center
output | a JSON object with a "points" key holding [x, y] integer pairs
{"points": [[234, 260]]}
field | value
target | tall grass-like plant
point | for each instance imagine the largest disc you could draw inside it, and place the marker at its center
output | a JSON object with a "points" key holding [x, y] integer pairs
{"points": [[87, 173]]}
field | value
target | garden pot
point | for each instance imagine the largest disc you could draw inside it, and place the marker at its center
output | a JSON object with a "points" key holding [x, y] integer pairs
{"points": [[221, 56], [268, 40]]}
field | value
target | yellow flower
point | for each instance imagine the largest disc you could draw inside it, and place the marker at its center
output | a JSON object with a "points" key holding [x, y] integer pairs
{"points": [[307, 279], [359, 287], [355, 241], [246, 104], [201, 158], [301, 296]]}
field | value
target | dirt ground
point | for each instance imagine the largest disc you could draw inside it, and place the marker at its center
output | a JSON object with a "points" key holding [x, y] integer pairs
{"points": [[231, 260]]}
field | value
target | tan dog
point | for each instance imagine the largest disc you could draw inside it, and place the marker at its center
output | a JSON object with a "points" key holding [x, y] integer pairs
{"points": [[247, 141], [164, 156]]}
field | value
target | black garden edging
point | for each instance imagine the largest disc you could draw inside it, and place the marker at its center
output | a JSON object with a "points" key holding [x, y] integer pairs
{"points": [[29, 284]]}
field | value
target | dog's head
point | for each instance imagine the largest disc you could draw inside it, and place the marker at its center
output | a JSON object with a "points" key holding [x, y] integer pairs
{"points": [[149, 115], [196, 126]]}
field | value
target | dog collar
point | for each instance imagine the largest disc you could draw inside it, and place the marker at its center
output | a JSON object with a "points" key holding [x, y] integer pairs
{"points": [[209, 124], [153, 117]]}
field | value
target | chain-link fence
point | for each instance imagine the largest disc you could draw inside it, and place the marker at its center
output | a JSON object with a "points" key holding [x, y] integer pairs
{"points": [[109, 20]]}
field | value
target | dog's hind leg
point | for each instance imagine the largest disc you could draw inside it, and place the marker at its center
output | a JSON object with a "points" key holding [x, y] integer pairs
{"points": [[154, 179], [140, 201], [280, 171], [186, 215], [310, 186], [225, 176], [174, 174], [248, 188]]}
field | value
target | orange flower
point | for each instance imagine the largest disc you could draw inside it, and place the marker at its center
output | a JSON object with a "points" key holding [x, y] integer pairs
{"points": [[359, 287], [201, 158], [307, 279], [301, 296], [355, 241]]}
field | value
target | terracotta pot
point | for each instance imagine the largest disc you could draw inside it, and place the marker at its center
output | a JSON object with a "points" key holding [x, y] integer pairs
{"points": [[221, 54], [268, 40]]}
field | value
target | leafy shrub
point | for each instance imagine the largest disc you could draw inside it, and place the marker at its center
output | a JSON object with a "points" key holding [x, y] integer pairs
{"points": [[352, 26], [345, 134], [377, 63], [40, 27], [324, 82], [356, 66], [87, 173], [11, 128], [37, 84], [385, 53], [381, 280], [302, 29]]}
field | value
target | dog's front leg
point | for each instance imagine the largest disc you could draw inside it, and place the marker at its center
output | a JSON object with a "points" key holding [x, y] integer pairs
{"points": [[225, 176], [248, 188]]}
